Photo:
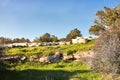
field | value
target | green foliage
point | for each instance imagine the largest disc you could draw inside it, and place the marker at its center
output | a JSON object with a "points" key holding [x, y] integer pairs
{"points": [[37, 40], [20, 40], [70, 52], [54, 38], [46, 38], [95, 29], [73, 34], [4, 40], [107, 18]]}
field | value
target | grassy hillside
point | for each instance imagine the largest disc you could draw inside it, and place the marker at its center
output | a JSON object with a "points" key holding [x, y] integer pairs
{"points": [[46, 50], [70, 70]]}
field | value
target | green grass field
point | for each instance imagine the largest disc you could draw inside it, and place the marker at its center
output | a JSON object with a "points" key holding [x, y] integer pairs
{"points": [[46, 50], [70, 70], [54, 71]]}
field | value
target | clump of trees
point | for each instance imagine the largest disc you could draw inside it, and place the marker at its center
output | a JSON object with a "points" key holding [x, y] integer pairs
{"points": [[20, 40], [4, 40], [46, 38], [52, 38], [106, 19], [73, 34], [96, 30]]}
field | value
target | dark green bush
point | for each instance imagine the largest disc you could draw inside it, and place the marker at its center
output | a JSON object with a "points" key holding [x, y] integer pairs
{"points": [[107, 52], [70, 52]]}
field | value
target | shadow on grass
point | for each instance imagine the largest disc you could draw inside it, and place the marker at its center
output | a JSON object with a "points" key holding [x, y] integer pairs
{"points": [[31, 74]]}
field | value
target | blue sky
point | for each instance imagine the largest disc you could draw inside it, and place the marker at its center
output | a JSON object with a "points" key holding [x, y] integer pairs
{"points": [[33, 18]]}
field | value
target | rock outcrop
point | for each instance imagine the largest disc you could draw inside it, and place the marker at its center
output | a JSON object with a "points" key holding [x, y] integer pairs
{"points": [[58, 56], [53, 58], [13, 58]]}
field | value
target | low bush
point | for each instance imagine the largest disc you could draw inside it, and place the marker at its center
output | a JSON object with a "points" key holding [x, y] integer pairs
{"points": [[107, 52], [70, 52]]}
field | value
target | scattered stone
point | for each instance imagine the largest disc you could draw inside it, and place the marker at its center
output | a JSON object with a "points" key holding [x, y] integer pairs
{"points": [[68, 57], [34, 58], [44, 59], [57, 57]]}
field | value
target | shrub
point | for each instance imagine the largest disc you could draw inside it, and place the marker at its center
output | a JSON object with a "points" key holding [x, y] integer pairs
{"points": [[107, 52], [70, 52]]}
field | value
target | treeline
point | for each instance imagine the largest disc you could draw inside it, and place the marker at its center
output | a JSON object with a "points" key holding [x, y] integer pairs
{"points": [[106, 19], [47, 37], [5, 40]]}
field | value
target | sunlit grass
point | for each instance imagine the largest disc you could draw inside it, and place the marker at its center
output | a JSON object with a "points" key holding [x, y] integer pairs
{"points": [[46, 50], [55, 71], [64, 70]]}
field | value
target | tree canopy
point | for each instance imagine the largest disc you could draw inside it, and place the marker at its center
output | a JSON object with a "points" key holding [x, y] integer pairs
{"points": [[4, 40], [108, 16], [95, 29], [106, 19], [46, 38], [20, 40], [73, 34]]}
